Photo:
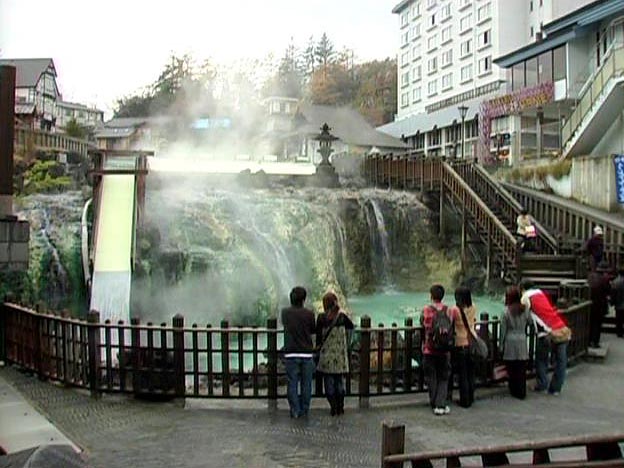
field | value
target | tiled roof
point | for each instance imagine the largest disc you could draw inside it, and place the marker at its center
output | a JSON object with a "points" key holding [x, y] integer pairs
{"points": [[28, 71]]}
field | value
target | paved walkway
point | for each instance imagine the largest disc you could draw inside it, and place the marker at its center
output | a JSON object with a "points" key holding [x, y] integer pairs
{"points": [[119, 431]]}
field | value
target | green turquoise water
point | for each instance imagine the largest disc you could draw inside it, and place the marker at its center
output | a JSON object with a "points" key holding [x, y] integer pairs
{"points": [[394, 306]]}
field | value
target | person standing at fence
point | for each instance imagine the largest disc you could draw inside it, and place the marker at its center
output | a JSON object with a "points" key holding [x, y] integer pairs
{"points": [[438, 330], [594, 248], [333, 335], [599, 290], [299, 326], [552, 337], [617, 300], [462, 363], [513, 342]]}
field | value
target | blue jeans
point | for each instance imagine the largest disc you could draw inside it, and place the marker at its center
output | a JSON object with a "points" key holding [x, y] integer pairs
{"points": [[542, 354], [299, 372]]}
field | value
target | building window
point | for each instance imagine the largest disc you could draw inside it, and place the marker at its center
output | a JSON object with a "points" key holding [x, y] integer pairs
{"points": [[517, 76], [415, 10], [415, 31], [405, 79], [464, 3], [484, 12], [531, 72], [445, 12], [419, 140], [431, 3], [416, 73], [404, 38], [485, 65], [432, 20], [447, 81], [416, 94], [485, 38], [432, 87], [466, 73], [532, 32], [404, 19], [531, 5], [434, 137], [404, 99], [446, 34], [545, 67], [465, 23], [432, 65], [404, 59], [416, 52], [559, 63], [447, 58], [432, 42], [465, 48]]}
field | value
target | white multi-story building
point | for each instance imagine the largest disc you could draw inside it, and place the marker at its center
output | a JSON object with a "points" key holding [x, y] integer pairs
{"points": [[87, 117], [446, 60]]}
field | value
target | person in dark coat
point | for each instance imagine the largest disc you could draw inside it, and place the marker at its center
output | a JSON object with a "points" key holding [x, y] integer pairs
{"points": [[299, 326], [599, 290], [594, 248], [617, 301]]}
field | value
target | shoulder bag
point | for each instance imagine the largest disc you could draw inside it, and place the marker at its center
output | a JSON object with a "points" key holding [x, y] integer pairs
{"points": [[477, 347]]}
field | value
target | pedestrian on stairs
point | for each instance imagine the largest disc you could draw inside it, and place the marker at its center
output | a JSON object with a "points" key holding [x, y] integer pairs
{"points": [[333, 335], [617, 301], [599, 291], [525, 230], [594, 248]]}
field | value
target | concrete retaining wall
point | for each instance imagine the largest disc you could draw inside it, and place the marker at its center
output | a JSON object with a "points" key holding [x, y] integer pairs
{"points": [[593, 182]]}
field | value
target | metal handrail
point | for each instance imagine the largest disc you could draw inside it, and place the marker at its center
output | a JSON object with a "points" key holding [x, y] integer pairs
{"points": [[578, 115]]}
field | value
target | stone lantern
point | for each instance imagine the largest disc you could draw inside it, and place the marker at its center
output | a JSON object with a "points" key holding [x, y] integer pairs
{"points": [[325, 173]]}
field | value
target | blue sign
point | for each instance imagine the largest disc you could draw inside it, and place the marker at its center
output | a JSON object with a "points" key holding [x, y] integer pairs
{"points": [[618, 160]]}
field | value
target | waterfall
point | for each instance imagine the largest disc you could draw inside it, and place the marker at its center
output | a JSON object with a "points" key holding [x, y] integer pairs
{"points": [[383, 235]]}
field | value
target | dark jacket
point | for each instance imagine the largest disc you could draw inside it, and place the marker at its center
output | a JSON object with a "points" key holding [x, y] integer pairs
{"points": [[323, 323], [298, 330], [599, 290], [617, 292]]}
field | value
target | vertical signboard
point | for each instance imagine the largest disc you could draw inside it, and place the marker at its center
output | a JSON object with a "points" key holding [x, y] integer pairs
{"points": [[618, 160]]}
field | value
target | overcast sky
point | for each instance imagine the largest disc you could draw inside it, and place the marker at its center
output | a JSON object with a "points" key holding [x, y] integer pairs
{"points": [[104, 49]]}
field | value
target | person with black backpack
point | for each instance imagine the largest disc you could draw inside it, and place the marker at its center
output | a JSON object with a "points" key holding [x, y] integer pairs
{"points": [[437, 321]]}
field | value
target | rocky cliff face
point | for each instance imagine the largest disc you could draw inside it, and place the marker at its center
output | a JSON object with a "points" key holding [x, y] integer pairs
{"points": [[235, 254]]}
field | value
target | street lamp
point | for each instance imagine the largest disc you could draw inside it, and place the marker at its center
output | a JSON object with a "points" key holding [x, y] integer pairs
{"points": [[462, 112], [326, 174]]}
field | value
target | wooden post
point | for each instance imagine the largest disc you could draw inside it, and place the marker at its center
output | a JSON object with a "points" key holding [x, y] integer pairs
{"points": [[364, 383], [7, 130], [441, 209], [3, 333], [272, 363], [392, 443], [37, 329], [225, 358], [488, 261], [178, 356], [409, 344], [93, 343]]}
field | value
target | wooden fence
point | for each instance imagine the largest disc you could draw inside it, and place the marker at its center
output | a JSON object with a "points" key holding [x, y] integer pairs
{"points": [[598, 451], [222, 362]]}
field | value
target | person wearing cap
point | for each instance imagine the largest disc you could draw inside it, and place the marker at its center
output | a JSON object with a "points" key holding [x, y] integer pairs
{"points": [[617, 301], [599, 291], [594, 248]]}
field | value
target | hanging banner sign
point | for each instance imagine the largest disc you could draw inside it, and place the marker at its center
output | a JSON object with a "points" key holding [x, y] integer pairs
{"points": [[618, 160]]}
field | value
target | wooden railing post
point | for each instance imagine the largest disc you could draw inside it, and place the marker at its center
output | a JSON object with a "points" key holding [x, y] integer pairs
{"points": [[3, 333], [409, 345], [178, 355], [93, 343], [364, 383], [272, 363], [225, 358], [392, 443], [37, 351]]}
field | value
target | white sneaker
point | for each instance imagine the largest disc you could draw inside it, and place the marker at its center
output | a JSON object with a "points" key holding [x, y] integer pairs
{"points": [[447, 409], [438, 411]]}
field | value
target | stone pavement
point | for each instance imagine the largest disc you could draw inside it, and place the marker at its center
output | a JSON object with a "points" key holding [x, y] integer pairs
{"points": [[117, 431]]}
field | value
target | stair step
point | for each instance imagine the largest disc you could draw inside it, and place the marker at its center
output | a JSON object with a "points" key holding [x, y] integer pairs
{"points": [[552, 280], [550, 273]]}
